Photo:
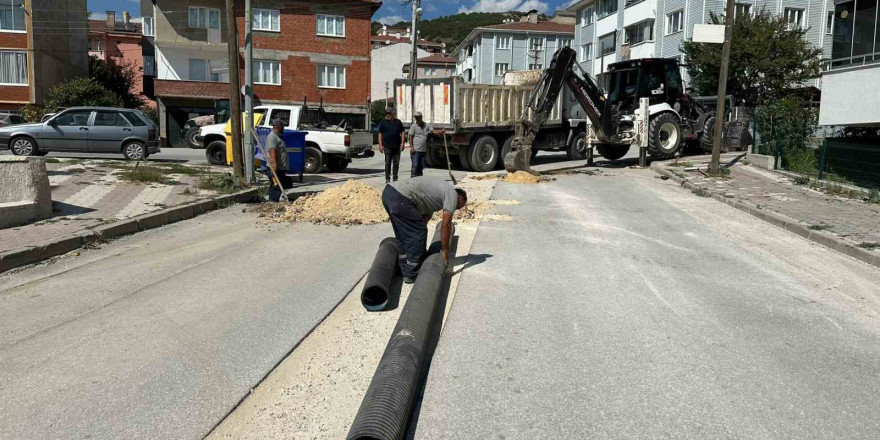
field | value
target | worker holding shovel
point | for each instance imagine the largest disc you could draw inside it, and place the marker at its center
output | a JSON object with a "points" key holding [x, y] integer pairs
{"points": [[411, 204], [278, 161]]}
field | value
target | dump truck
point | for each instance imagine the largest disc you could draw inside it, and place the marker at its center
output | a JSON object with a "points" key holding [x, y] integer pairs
{"points": [[479, 119]]}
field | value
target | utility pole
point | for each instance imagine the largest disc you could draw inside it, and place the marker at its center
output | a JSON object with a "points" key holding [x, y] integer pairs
{"points": [[413, 71], [715, 164], [249, 93], [234, 88]]}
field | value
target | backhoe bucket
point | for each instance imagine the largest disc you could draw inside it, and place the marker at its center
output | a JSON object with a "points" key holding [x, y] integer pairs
{"points": [[519, 157]]}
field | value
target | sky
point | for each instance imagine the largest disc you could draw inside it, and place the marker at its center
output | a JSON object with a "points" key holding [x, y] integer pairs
{"points": [[390, 12]]}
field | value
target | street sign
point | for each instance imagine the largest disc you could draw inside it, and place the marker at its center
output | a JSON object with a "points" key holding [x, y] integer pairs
{"points": [[708, 33]]}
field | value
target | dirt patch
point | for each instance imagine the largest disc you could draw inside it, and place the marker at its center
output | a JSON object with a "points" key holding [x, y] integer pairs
{"points": [[522, 177], [353, 203], [484, 176], [475, 211]]}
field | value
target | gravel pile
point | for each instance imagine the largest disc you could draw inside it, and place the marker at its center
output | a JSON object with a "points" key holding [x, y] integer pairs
{"points": [[522, 177], [353, 203]]}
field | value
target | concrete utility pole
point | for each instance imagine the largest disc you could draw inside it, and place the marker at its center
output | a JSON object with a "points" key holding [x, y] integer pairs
{"points": [[234, 88], [249, 93], [413, 71], [715, 164]]}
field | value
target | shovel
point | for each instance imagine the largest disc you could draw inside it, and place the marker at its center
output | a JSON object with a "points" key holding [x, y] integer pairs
{"points": [[448, 163]]}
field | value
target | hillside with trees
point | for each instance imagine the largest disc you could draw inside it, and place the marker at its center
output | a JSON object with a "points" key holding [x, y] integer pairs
{"points": [[452, 29]]}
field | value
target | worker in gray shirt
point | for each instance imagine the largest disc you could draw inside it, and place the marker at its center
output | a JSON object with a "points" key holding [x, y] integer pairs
{"points": [[278, 161], [411, 204], [418, 144]]}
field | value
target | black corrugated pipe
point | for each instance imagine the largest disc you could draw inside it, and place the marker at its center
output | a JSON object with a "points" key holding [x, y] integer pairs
{"points": [[386, 408], [377, 290]]}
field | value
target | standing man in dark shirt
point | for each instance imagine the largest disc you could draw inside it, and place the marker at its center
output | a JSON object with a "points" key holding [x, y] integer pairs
{"points": [[392, 138]]}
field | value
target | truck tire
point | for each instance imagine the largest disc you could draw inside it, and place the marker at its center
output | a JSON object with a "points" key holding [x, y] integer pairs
{"points": [[578, 148], [337, 164], [216, 153], [708, 137], [463, 161], [190, 137], [436, 157], [612, 152], [664, 136], [505, 148], [314, 160], [482, 155]]}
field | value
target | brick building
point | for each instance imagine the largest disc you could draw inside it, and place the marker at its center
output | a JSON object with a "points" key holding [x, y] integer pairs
{"points": [[303, 52], [119, 41], [42, 42]]}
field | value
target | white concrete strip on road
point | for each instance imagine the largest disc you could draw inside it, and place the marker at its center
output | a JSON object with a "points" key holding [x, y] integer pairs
{"points": [[89, 195], [58, 179], [148, 200]]}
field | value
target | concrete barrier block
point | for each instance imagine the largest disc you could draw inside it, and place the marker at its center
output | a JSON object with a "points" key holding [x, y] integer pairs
{"points": [[761, 161], [25, 194]]}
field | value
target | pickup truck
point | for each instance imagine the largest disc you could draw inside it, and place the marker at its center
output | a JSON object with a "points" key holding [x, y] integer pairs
{"points": [[328, 146]]}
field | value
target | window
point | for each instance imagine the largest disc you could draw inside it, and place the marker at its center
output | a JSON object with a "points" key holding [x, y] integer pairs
{"points": [[629, 3], [500, 68], [536, 67], [639, 33], [564, 42], [109, 119], [607, 44], [742, 9], [198, 70], [331, 25], [267, 72], [829, 23], [331, 77], [73, 118], [17, 119], [147, 29], [267, 20], [214, 18], [13, 68], [430, 71], [133, 119], [12, 15], [503, 42], [284, 115], [588, 16], [586, 52], [149, 65], [794, 17], [96, 45], [198, 17], [675, 22], [536, 43], [607, 7]]}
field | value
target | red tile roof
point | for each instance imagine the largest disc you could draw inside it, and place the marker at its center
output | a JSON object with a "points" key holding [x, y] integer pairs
{"points": [[393, 39], [437, 59], [101, 26]]}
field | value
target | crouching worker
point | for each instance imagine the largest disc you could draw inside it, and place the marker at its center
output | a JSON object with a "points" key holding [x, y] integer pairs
{"points": [[278, 161], [411, 204]]}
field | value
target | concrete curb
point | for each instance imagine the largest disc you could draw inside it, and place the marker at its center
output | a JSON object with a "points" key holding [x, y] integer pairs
{"points": [[823, 238], [59, 246]]}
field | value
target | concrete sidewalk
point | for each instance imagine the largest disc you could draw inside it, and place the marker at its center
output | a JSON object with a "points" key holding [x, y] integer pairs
{"points": [[89, 193], [845, 224]]}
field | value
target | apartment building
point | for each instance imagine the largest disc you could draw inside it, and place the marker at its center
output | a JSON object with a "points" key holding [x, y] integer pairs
{"points": [[317, 53], [433, 66], [608, 31], [387, 36], [528, 44], [119, 41], [851, 81], [42, 43]]}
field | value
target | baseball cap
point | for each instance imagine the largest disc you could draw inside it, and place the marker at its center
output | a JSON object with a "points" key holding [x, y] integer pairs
{"points": [[389, 110], [418, 114]]}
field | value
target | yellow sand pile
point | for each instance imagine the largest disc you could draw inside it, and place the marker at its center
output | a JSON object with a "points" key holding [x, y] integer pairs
{"points": [[353, 203], [522, 177]]}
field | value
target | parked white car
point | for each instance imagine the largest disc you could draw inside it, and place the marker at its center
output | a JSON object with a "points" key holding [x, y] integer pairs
{"points": [[330, 146]]}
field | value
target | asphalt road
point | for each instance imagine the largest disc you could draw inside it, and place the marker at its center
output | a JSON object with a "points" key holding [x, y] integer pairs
{"points": [[160, 334], [624, 307]]}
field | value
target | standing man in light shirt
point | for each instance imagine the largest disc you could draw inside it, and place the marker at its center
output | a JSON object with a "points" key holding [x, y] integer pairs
{"points": [[418, 144], [278, 161]]}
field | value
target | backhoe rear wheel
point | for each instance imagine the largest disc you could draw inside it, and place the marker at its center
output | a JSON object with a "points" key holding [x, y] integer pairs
{"points": [[664, 136], [708, 137]]}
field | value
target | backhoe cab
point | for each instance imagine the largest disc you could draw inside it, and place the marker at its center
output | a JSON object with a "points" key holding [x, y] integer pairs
{"points": [[612, 107]]}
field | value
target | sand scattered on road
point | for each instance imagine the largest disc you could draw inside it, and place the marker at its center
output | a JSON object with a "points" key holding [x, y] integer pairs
{"points": [[522, 177], [493, 176], [353, 203]]}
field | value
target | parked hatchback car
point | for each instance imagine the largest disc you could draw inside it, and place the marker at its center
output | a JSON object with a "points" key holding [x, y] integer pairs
{"points": [[85, 130], [7, 119]]}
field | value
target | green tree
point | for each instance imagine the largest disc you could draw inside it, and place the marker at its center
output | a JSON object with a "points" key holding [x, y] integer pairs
{"points": [[81, 92], [117, 76], [766, 59], [377, 110]]}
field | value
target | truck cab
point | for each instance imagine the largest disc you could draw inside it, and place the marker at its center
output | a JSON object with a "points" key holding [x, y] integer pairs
{"points": [[330, 146]]}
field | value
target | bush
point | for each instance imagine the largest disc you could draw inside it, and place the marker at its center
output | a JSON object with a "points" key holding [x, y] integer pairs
{"points": [[33, 112], [119, 77], [151, 113], [226, 182], [802, 161], [377, 110], [81, 92]]}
